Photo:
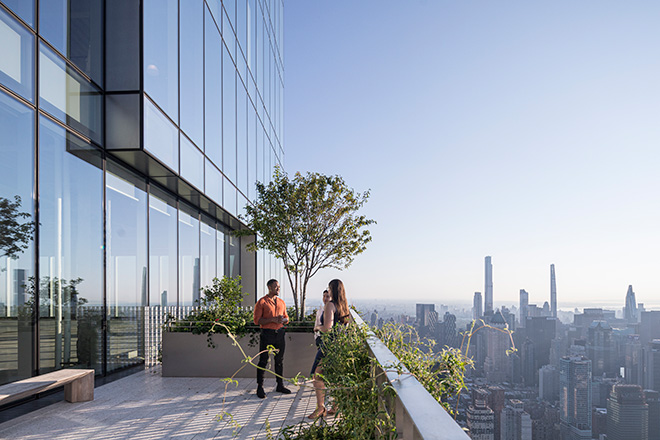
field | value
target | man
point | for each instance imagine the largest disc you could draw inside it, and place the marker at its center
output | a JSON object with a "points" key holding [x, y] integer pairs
{"points": [[270, 314]]}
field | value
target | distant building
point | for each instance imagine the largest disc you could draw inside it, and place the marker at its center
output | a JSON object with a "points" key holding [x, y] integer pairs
{"points": [[481, 422], [652, 366], [488, 287], [495, 402], [575, 398], [633, 360], [515, 423], [630, 310], [539, 331], [652, 398], [426, 318], [600, 348], [477, 306], [549, 383], [649, 327], [553, 292], [627, 414], [524, 302], [498, 341]]}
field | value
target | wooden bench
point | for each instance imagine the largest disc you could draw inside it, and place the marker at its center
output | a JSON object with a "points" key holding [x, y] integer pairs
{"points": [[78, 386]]}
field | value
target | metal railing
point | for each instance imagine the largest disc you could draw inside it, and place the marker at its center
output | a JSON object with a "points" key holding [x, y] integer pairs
{"points": [[418, 415]]}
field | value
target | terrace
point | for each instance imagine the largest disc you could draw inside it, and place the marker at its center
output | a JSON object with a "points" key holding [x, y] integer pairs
{"points": [[147, 405]]}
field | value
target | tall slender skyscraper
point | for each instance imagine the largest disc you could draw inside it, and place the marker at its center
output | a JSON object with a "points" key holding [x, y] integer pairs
{"points": [[524, 302], [575, 398], [630, 310], [553, 292], [477, 306], [488, 291]]}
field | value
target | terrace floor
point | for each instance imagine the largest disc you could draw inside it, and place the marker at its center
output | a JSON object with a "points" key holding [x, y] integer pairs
{"points": [[146, 405]]}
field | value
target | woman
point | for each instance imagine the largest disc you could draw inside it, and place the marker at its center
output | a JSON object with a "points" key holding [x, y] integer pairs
{"points": [[319, 320], [334, 312]]}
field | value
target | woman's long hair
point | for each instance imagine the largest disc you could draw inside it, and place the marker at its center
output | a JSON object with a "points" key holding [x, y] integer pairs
{"points": [[339, 298]]}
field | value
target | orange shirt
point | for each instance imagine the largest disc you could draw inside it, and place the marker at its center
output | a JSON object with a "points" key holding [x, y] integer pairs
{"points": [[270, 308]]}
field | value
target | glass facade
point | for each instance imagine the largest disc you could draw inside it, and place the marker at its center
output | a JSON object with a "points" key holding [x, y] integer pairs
{"points": [[126, 159]]}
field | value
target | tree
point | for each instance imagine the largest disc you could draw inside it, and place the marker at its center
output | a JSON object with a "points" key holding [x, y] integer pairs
{"points": [[310, 223], [15, 237]]}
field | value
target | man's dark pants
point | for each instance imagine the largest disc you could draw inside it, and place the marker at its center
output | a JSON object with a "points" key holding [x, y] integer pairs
{"points": [[276, 339]]}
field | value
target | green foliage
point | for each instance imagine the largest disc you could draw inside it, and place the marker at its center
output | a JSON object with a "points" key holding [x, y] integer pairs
{"points": [[15, 236], [310, 222], [220, 302], [441, 374]]}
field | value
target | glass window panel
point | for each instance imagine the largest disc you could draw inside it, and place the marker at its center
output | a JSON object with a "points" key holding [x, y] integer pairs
{"points": [[241, 25], [69, 97], [75, 28], [16, 274], [192, 163], [188, 257], [126, 247], [70, 250], [251, 54], [241, 138], [161, 54], [252, 149], [260, 153], [192, 69], [16, 57], [213, 187], [215, 7], [161, 137], [233, 256], [229, 37], [213, 90], [22, 8], [228, 117], [207, 242], [229, 201], [242, 203], [230, 9], [221, 239], [162, 249]]}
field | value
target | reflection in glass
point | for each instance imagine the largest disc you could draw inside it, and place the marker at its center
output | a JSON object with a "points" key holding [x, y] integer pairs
{"points": [[161, 54], [68, 96], [75, 28], [192, 69], [16, 57], [126, 244], [251, 150], [22, 8], [221, 240], [213, 90], [70, 250], [233, 256], [207, 251], [192, 163], [241, 138], [241, 25], [16, 266], [213, 187], [229, 197], [161, 137], [228, 117], [188, 257], [162, 249]]}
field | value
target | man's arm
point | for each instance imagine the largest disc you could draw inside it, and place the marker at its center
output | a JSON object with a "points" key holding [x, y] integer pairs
{"points": [[258, 312]]}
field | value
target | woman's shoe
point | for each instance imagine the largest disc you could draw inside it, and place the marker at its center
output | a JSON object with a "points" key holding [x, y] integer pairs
{"points": [[319, 412], [330, 412]]}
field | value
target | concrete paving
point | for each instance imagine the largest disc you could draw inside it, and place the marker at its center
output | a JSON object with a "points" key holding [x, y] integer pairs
{"points": [[146, 405]]}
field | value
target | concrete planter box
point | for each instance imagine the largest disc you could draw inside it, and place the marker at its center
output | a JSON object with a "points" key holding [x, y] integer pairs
{"points": [[188, 355]]}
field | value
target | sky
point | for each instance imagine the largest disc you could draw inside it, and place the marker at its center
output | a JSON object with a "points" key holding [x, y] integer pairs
{"points": [[526, 131]]}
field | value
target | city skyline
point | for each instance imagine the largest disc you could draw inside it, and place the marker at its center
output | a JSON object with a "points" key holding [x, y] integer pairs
{"points": [[521, 131]]}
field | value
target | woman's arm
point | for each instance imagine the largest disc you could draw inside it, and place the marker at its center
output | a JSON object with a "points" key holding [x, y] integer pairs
{"points": [[328, 317]]}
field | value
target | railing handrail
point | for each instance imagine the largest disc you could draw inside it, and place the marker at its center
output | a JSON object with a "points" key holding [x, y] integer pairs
{"points": [[428, 417]]}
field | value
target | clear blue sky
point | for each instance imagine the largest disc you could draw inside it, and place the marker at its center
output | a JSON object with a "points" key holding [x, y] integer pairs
{"points": [[527, 131]]}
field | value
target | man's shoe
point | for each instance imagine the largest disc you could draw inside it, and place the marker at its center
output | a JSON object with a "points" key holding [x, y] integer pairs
{"points": [[260, 392], [282, 389]]}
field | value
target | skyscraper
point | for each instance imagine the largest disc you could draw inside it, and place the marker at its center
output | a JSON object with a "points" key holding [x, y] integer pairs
{"points": [[652, 365], [515, 423], [627, 413], [488, 288], [553, 292], [652, 398], [575, 398], [481, 421], [524, 302], [477, 306], [600, 349], [630, 310]]}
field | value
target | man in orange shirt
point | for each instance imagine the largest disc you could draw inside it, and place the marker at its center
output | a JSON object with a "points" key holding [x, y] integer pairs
{"points": [[270, 314]]}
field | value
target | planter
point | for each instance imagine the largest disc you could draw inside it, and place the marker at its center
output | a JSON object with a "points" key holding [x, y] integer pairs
{"points": [[188, 355]]}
